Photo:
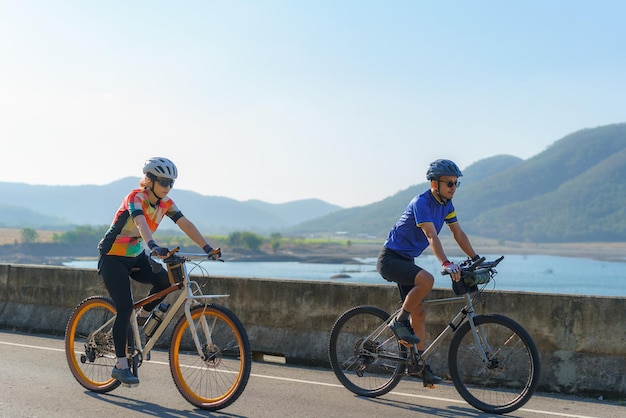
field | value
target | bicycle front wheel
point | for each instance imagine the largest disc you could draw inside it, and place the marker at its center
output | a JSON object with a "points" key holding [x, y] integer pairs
{"points": [[89, 345], [215, 377], [497, 369], [364, 353]]}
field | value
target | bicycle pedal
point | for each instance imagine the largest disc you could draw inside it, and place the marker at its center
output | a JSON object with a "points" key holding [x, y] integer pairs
{"points": [[130, 386], [430, 385], [406, 343]]}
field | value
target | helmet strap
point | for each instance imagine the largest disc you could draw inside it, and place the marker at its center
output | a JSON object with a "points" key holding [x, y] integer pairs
{"points": [[156, 195], [441, 198], [151, 188]]}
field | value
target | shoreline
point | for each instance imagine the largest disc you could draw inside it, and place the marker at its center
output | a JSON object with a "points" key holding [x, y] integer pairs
{"points": [[613, 252], [347, 254], [602, 251], [597, 251]]}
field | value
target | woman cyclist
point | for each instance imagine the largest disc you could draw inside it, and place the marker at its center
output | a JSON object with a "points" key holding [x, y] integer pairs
{"points": [[416, 230], [122, 250]]}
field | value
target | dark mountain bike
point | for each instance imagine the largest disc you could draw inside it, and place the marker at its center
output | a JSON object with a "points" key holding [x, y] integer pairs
{"points": [[494, 363]]}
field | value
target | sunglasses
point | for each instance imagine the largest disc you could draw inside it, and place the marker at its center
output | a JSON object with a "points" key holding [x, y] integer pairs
{"points": [[451, 183], [165, 182]]}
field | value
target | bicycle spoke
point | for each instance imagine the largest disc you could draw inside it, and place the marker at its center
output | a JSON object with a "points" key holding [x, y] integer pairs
{"points": [[509, 375], [364, 353], [214, 379], [89, 345]]}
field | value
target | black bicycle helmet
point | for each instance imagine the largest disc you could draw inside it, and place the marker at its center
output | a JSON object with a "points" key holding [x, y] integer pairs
{"points": [[440, 168]]}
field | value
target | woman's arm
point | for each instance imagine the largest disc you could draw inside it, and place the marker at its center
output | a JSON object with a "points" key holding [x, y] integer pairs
{"points": [[191, 231], [144, 229]]}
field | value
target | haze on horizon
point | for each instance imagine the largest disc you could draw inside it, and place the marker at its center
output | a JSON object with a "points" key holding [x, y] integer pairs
{"points": [[279, 101]]}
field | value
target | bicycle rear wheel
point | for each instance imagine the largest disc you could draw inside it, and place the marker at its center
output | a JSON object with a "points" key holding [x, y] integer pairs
{"points": [[509, 378], [218, 377], [364, 353], [89, 345]]}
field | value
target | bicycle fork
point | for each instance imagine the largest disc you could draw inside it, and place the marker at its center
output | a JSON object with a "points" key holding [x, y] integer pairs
{"points": [[485, 350], [207, 329]]}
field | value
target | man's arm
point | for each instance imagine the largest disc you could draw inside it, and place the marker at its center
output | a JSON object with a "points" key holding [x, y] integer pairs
{"points": [[462, 239], [433, 239], [435, 244]]}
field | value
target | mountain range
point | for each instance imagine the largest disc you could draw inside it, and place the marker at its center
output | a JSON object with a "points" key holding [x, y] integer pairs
{"points": [[65, 207], [571, 192]]}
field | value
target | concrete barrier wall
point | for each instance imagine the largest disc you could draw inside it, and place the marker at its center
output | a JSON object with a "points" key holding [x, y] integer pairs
{"points": [[581, 339]]}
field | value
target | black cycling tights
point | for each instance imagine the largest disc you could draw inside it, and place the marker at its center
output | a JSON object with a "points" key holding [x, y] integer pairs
{"points": [[115, 271]]}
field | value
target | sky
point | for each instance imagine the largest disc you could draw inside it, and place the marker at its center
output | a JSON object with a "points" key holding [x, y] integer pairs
{"points": [[347, 101]]}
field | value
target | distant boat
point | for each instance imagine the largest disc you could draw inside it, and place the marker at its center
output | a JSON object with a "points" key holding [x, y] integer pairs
{"points": [[340, 276]]}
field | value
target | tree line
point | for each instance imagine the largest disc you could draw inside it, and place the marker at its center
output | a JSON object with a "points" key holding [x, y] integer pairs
{"points": [[86, 236]]}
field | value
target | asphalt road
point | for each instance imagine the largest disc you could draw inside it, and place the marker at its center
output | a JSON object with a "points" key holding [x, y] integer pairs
{"points": [[36, 382]]}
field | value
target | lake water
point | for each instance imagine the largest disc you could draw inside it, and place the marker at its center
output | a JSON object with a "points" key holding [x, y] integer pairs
{"points": [[525, 273]]}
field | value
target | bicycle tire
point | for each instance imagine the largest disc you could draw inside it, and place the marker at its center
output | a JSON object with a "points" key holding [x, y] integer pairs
{"points": [[510, 378], [91, 357], [368, 373], [218, 380]]}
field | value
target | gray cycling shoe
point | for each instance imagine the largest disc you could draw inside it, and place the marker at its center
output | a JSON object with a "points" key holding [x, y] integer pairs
{"points": [[429, 377], [403, 330], [124, 376]]}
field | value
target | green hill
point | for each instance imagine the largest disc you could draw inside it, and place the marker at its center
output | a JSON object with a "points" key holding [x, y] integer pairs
{"points": [[64, 207], [571, 192]]}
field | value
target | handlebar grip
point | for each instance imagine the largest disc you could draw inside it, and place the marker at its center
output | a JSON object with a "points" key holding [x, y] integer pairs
{"points": [[477, 263], [171, 253]]}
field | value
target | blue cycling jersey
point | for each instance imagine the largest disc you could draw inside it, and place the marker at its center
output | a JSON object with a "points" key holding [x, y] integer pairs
{"points": [[406, 237]]}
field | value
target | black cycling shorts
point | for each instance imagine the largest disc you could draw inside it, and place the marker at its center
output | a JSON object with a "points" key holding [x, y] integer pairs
{"points": [[397, 268]]}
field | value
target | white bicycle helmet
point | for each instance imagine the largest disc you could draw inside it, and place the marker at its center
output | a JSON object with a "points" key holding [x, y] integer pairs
{"points": [[160, 167]]}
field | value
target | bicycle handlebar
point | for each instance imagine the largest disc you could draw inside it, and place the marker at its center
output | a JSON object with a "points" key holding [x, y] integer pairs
{"points": [[491, 264], [175, 256], [468, 266], [473, 274]]}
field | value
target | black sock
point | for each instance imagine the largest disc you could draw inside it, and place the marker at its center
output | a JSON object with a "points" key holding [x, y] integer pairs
{"points": [[404, 315]]}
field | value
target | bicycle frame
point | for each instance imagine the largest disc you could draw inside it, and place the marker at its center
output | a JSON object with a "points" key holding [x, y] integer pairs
{"points": [[467, 312], [492, 360], [209, 353], [191, 297]]}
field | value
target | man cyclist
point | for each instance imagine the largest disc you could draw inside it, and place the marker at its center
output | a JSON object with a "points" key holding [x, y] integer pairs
{"points": [[122, 251], [416, 230]]}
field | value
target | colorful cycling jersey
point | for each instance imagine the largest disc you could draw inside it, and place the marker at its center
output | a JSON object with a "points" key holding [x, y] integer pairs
{"points": [[406, 237], [123, 236]]}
